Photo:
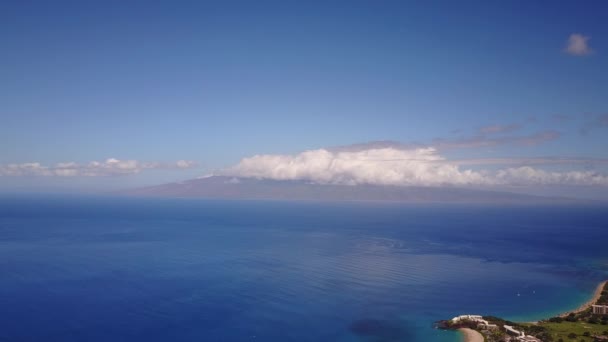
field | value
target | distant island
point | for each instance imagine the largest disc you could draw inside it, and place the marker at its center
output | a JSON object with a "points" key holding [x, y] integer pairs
{"points": [[222, 187], [588, 323]]}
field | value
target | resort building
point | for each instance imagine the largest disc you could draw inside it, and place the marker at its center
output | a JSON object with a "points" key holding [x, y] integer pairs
{"points": [[520, 335], [486, 326], [509, 329], [600, 309], [528, 338], [474, 318], [482, 324]]}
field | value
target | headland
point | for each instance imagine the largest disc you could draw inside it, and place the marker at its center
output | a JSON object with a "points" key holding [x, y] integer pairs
{"points": [[587, 323]]}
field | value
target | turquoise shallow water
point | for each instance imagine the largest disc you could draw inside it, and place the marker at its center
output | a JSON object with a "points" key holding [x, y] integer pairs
{"points": [[100, 269]]}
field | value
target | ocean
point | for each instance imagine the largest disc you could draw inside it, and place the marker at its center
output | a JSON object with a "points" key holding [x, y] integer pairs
{"points": [[76, 268]]}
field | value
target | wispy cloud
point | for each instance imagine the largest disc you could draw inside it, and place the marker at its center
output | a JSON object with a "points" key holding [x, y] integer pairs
{"points": [[578, 45], [562, 117], [109, 167], [493, 129], [531, 161], [487, 136], [593, 122], [395, 166], [484, 140], [527, 175], [374, 145]]}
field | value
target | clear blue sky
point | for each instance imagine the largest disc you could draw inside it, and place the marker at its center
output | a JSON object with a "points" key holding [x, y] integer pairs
{"points": [[214, 82]]}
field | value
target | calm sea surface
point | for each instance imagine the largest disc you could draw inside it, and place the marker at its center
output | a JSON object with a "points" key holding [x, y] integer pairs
{"points": [[107, 269]]}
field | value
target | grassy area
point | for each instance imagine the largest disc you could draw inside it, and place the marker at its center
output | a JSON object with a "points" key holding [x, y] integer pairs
{"points": [[582, 324], [563, 329]]}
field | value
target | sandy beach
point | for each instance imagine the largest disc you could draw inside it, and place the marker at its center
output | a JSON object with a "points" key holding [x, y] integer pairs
{"points": [[471, 335], [596, 296]]}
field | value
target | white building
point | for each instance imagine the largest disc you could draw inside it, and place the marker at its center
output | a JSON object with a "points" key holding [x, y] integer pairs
{"points": [[486, 326], [474, 318], [528, 338], [512, 331], [600, 309], [521, 336]]}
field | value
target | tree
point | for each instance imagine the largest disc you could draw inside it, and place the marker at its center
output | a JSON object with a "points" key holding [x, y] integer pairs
{"points": [[545, 337]]}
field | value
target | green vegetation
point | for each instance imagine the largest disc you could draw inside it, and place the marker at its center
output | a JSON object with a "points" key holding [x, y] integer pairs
{"points": [[568, 331], [582, 326], [604, 297]]}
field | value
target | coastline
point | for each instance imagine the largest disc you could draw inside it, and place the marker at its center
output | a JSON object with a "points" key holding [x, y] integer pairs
{"points": [[596, 295], [469, 325], [471, 335]]}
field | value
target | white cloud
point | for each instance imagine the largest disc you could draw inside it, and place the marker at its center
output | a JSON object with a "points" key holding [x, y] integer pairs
{"points": [[109, 167], [21, 169], [394, 166], [526, 175], [185, 164], [578, 45], [382, 166]]}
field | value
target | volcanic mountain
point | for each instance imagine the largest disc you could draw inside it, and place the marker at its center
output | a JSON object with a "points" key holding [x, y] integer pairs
{"points": [[222, 187]]}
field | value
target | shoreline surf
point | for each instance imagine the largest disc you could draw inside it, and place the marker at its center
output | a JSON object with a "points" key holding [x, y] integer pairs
{"points": [[596, 296]]}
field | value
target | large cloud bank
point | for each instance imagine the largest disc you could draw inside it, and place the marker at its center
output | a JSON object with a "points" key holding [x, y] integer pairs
{"points": [[109, 167], [395, 166]]}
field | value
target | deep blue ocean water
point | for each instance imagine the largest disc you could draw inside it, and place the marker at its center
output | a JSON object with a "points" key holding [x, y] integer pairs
{"points": [[116, 269]]}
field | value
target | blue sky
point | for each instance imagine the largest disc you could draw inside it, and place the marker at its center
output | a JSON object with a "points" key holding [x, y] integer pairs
{"points": [[215, 82]]}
